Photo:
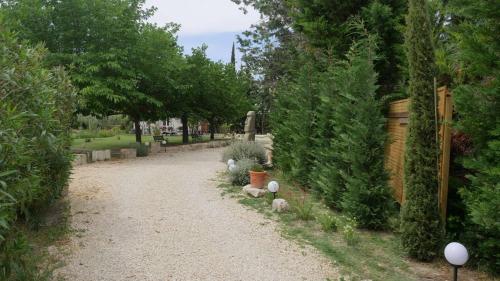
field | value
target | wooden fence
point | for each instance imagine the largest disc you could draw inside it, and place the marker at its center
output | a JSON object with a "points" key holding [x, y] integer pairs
{"points": [[397, 122]]}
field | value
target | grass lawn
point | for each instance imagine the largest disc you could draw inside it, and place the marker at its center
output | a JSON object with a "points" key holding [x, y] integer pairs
{"points": [[122, 141], [375, 255]]}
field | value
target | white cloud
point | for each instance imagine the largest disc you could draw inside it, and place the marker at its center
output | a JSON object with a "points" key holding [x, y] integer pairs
{"points": [[202, 16]]}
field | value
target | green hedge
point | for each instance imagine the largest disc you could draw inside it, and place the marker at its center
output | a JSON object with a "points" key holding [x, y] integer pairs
{"points": [[329, 134], [36, 108]]}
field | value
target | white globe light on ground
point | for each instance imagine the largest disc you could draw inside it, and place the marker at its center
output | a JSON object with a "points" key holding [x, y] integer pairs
{"points": [[273, 186], [230, 162], [456, 254], [232, 168]]}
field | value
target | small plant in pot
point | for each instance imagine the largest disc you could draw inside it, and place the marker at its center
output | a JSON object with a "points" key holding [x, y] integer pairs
{"points": [[257, 176]]}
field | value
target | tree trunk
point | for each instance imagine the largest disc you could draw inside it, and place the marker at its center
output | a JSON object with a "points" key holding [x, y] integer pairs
{"points": [[212, 130], [185, 129], [138, 131]]}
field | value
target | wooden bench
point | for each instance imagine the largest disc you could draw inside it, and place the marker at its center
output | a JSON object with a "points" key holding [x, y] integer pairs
{"points": [[161, 139]]}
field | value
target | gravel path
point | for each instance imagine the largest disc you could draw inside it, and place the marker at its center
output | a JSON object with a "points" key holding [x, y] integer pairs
{"points": [[162, 218]]}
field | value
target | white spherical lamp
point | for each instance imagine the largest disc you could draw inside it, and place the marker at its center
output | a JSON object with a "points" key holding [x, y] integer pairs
{"points": [[273, 187], [230, 162], [456, 254], [232, 168]]}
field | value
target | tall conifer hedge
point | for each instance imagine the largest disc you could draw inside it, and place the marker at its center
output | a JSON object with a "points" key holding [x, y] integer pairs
{"points": [[367, 197]]}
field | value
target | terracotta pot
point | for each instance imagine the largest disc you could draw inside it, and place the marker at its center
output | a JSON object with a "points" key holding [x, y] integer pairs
{"points": [[257, 179]]}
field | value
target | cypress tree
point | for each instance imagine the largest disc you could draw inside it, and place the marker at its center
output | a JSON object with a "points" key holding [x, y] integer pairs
{"points": [[367, 197], [420, 221], [325, 177], [294, 125], [477, 102], [233, 56]]}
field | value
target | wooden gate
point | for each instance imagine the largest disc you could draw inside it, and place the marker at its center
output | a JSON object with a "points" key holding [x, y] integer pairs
{"points": [[397, 121]]}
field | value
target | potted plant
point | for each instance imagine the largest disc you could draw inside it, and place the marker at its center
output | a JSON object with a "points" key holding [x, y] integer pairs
{"points": [[257, 176]]}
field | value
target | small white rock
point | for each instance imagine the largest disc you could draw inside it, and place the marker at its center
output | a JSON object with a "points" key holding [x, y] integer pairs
{"points": [[280, 205], [255, 192]]}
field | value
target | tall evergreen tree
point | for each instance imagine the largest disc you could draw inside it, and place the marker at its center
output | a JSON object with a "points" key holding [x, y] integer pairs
{"points": [[420, 221], [325, 23], [294, 125], [233, 57], [367, 197], [325, 177], [477, 100]]}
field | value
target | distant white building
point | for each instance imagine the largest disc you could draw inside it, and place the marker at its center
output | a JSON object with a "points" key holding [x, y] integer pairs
{"points": [[168, 126]]}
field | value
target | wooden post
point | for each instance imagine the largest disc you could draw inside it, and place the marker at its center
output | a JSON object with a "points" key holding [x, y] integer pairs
{"points": [[445, 116]]}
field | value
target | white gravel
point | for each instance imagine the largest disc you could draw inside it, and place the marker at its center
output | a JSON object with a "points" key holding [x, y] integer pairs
{"points": [[162, 218]]}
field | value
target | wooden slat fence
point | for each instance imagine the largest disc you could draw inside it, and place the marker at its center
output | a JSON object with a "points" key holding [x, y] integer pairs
{"points": [[397, 121]]}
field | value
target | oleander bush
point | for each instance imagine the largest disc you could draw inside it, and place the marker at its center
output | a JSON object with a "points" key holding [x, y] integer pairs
{"points": [[36, 108], [240, 175], [245, 150]]}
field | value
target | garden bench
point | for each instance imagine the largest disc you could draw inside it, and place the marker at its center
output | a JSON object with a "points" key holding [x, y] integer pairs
{"points": [[161, 139]]}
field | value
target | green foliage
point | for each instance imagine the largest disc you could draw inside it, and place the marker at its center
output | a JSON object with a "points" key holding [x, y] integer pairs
{"points": [[240, 176], [328, 222], [302, 207], [349, 233], [120, 64], [36, 108], [239, 150], [477, 100], [326, 173], [293, 125], [367, 197], [89, 134], [420, 222], [326, 24], [142, 149], [257, 168]]}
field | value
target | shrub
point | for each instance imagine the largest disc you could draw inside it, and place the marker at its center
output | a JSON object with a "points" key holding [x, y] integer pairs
{"points": [[328, 222], [240, 176], [36, 108], [92, 134], [245, 150], [142, 149]]}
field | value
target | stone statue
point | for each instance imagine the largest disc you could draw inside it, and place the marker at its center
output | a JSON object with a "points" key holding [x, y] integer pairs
{"points": [[250, 127]]}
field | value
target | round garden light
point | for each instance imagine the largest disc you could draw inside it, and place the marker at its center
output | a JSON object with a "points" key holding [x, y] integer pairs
{"points": [[273, 186], [232, 168], [456, 254], [230, 162]]}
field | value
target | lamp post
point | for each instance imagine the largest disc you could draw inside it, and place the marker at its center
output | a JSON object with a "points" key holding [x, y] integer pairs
{"points": [[456, 254], [273, 186]]}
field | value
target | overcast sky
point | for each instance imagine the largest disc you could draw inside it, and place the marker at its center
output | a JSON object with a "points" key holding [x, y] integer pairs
{"points": [[214, 22]]}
